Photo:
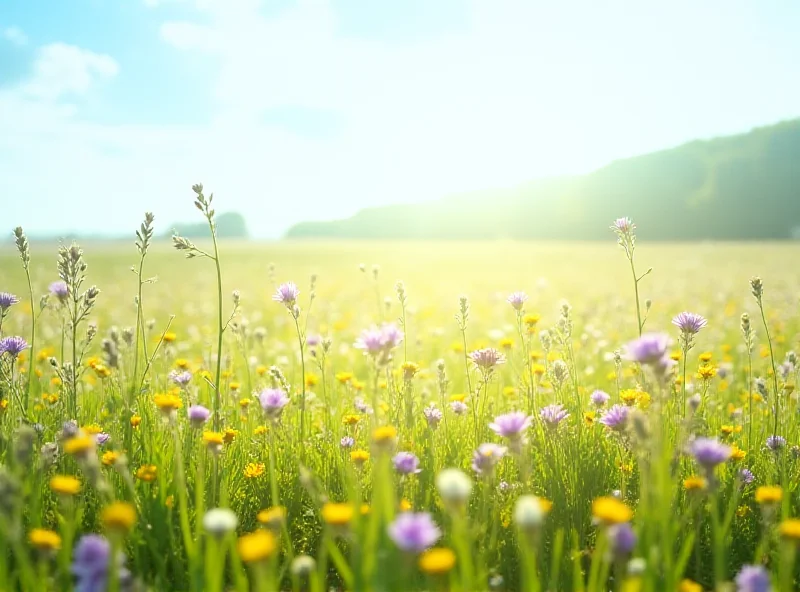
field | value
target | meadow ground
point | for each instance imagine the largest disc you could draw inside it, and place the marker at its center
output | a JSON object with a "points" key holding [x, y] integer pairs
{"points": [[312, 428]]}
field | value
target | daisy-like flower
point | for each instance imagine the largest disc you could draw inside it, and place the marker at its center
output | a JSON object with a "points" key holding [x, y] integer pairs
{"points": [[486, 457], [511, 425], [414, 532], [599, 398], [13, 346], [552, 415], [689, 323], [487, 358], [406, 463], [287, 294], [379, 341], [180, 378], [650, 349], [273, 401], [7, 300], [709, 452], [433, 416], [623, 226], [616, 418], [517, 300]]}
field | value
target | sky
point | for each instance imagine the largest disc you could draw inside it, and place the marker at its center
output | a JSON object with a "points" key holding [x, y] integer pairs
{"points": [[313, 109]]}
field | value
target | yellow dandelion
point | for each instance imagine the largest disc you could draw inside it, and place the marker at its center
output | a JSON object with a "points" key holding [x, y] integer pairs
{"points": [[436, 562], [44, 540], [790, 529], [610, 510], [769, 494], [147, 473], [273, 517], [256, 546], [689, 586], [79, 445], [351, 419], [253, 470], [167, 403], [405, 505], [311, 380], [337, 514], [260, 430], [385, 436], [229, 435], [694, 483], [65, 485], [169, 336], [344, 377], [136, 420], [109, 457], [737, 453], [705, 357], [119, 516], [359, 457]]}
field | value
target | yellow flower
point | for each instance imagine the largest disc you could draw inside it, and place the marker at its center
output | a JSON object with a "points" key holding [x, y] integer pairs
{"points": [[509, 391], [110, 457], [706, 372], [65, 485], [136, 420], [213, 440], [410, 370], [167, 403], [44, 540], [170, 501], [119, 516], [689, 586], [790, 529], [506, 343], [694, 483], [589, 417], [405, 505], [385, 436], [273, 517], [3, 404], [169, 336], [55, 381], [705, 357], [769, 494], [92, 429], [359, 457], [737, 453], [437, 561], [244, 403], [253, 470], [182, 363], [93, 361], [539, 369], [147, 473], [351, 419], [79, 445], [311, 380], [229, 434], [609, 510], [629, 396], [531, 320], [726, 430], [260, 430], [458, 397], [675, 355], [256, 546], [344, 377], [337, 514], [261, 370], [44, 354], [235, 386]]}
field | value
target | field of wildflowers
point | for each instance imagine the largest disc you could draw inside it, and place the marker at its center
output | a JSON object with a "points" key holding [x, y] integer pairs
{"points": [[463, 417]]}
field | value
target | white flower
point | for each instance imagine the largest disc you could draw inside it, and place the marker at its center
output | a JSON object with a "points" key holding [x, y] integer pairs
{"points": [[529, 512], [303, 565], [637, 566], [454, 486], [220, 521]]}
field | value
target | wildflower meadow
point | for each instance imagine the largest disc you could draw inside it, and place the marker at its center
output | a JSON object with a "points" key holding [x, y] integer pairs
{"points": [[219, 415]]}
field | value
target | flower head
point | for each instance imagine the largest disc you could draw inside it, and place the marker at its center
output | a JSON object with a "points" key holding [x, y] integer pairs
{"points": [[552, 415], [769, 494], [432, 415], [753, 578], [610, 510], [623, 226], [378, 342], [220, 521], [180, 378], [347, 442], [511, 425], [256, 546], [709, 452], [599, 398], [60, 290], [458, 407], [616, 418], [650, 349], [454, 486], [437, 561], [287, 294], [689, 323], [13, 346], [7, 301], [44, 540], [530, 512], [622, 539], [487, 358], [414, 532], [486, 457], [336, 514], [746, 476], [406, 463], [65, 485], [91, 563], [775, 443], [273, 400], [198, 415], [517, 300], [119, 516]]}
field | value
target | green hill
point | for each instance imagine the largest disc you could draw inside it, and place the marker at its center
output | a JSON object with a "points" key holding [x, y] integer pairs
{"points": [[737, 187], [229, 225]]}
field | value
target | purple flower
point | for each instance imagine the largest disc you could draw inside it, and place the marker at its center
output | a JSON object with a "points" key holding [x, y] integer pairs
{"points": [[198, 415], [689, 323], [709, 452], [622, 539], [486, 457], [313, 340], [101, 438], [90, 563], [552, 415], [13, 346], [511, 425], [181, 378], [273, 401], [776, 443], [392, 335], [60, 290], [650, 348], [517, 300], [623, 225], [406, 463], [287, 294], [599, 398], [746, 476], [7, 301], [433, 416], [458, 407], [487, 358], [753, 578], [347, 442], [616, 418], [414, 531], [381, 340], [362, 406]]}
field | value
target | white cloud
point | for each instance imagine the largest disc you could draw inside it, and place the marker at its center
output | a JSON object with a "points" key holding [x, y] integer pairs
{"points": [[62, 69], [15, 35]]}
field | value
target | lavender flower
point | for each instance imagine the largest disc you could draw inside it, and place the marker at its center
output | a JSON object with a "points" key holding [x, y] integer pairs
{"points": [[273, 400], [362, 406], [313, 340], [414, 531], [287, 294], [433, 416], [198, 415], [776, 443], [378, 342], [180, 378], [406, 463], [616, 418], [487, 358], [753, 578], [486, 457], [623, 226], [552, 415], [689, 323], [511, 425], [458, 407], [746, 476], [7, 301], [709, 452], [13, 346], [517, 300], [650, 348], [91, 563], [101, 438], [60, 290], [347, 442], [599, 398], [622, 539]]}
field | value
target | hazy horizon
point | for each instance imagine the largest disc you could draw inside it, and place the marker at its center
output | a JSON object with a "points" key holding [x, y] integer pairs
{"points": [[313, 110]]}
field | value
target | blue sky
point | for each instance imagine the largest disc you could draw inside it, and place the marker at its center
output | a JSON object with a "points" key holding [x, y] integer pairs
{"points": [[311, 109]]}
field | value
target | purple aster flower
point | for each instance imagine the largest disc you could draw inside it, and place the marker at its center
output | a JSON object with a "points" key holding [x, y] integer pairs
{"points": [[7, 301], [69, 429], [181, 378], [433, 416], [599, 398], [511, 425], [13, 346], [198, 415], [287, 294], [347, 442], [776, 443], [414, 531], [616, 418], [362, 406], [689, 323], [458, 407], [622, 539], [273, 401], [60, 290], [101, 438], [746, 476], [486, 457], [753, 578], [381, 340], [552, 415], [709, 452], [313, 340], [650, 348], [623, 225], [392, 335], [487, 358], [406, 463], [91, 562], [517, 300]]}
